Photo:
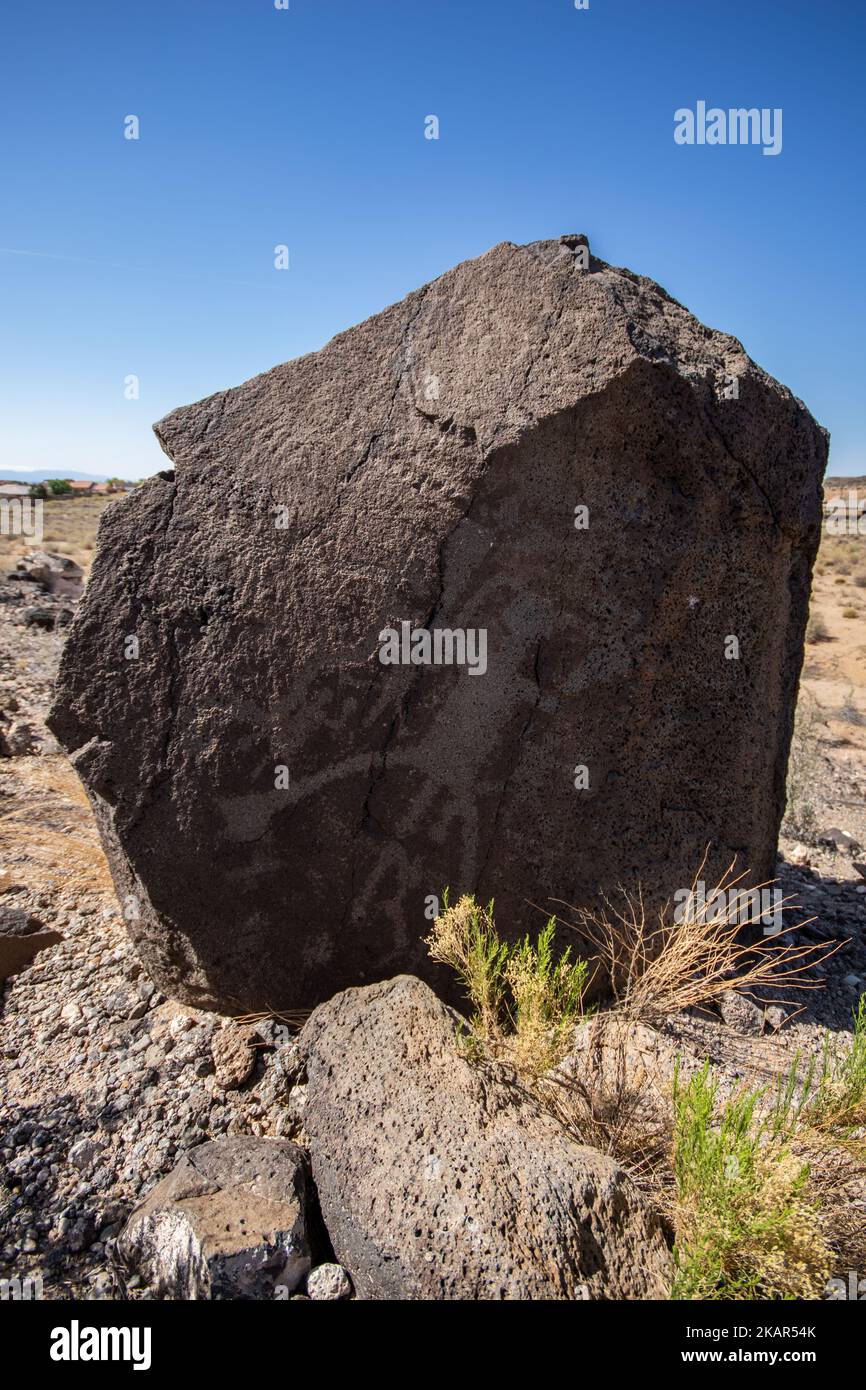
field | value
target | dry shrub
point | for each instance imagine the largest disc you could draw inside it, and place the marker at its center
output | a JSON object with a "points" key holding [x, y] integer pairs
{"points": [[816, 629], [608, 1097], [654, 970]]}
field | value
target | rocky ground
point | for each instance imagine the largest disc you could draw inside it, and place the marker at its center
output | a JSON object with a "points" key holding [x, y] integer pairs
{"points": [[104, 1083]]}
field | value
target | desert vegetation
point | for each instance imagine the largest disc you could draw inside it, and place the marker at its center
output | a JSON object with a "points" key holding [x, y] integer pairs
{"points": [[750, 1179]]}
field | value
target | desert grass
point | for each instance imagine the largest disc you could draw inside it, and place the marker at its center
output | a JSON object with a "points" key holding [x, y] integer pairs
{"points": [[804, 769], [823, 1100], [763, 1182], [69, 528], [49, 819]]}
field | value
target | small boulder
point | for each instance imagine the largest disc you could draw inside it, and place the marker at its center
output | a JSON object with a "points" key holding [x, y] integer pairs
{"points": [[18, 739], [233, 1055], [839, 840], [741, 1014], [21, 938], [56, 574], [443, 1179], [229, 1222], [328, 1283]]}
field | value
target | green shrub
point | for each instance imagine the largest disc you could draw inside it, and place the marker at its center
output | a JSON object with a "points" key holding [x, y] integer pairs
{"points": [[745, 1228], [525, 999]]}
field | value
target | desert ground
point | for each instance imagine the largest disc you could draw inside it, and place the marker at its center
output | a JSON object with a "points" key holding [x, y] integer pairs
{"points": [[104, 1082]]}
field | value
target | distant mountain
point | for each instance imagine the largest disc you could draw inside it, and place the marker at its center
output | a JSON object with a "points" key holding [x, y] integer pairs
{"points": [[38, 475]]}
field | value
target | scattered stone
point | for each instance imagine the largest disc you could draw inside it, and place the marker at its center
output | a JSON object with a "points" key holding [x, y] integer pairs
{"points": [[840, 840], [47, 618], [57, 574], [233, 1055], [83, 1153], [19, 739], [22, 936]]}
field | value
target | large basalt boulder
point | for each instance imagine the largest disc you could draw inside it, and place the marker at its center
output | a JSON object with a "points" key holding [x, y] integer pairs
{"points": [[278, 803], [442, 1179]]}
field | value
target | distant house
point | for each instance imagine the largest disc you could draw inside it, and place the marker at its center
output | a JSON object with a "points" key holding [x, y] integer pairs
{"points": [[81, 489], [14, 489]]}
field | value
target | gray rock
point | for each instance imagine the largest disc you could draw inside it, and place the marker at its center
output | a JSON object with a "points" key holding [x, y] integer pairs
{"points": [[84, 1152], [20, 738], [229, 1222], [425, 467], [839, 840], [741, 1013], [776, 1017], [56, 574], [439, 1179]]}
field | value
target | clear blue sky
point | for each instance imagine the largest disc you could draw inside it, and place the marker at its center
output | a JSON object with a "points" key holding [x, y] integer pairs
{"points": [[306, 127]]}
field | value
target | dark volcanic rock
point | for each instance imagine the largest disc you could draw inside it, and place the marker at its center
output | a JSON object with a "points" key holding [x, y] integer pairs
{"points": [[21, 938], [425, 467], [439, 1179]]}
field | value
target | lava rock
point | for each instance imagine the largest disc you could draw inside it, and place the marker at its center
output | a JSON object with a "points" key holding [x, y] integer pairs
{"points": [[440, 1179], [447, 602]]}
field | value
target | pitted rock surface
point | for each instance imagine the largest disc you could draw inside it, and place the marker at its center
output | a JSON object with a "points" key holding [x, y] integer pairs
{"points": [[440, 1179], [277, 805]]}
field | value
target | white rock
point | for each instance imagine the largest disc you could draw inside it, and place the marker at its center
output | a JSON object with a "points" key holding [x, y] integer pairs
{"points": [[328, 1282]]}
